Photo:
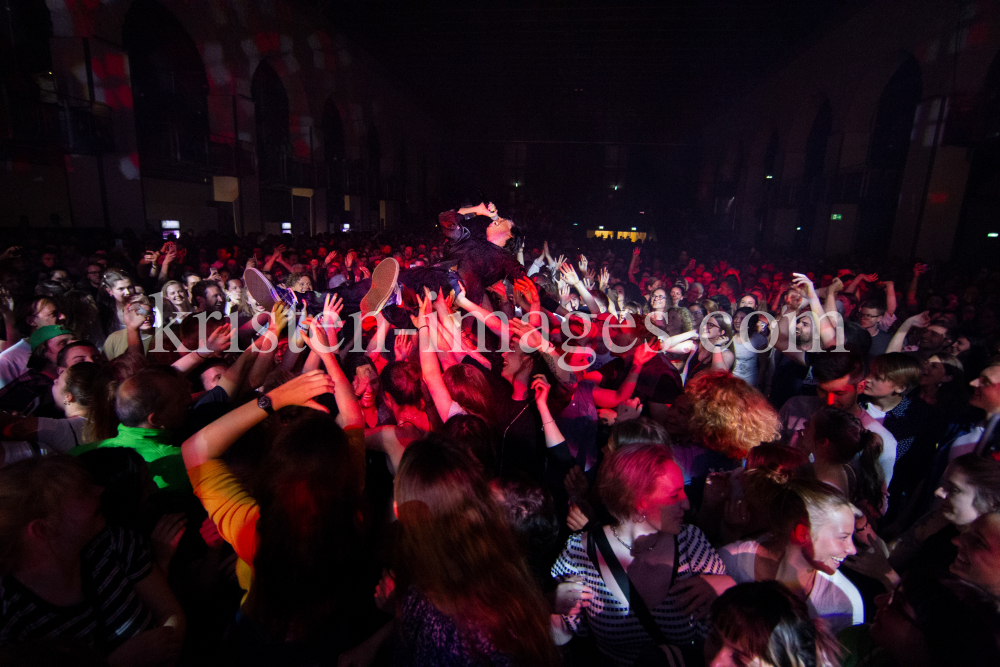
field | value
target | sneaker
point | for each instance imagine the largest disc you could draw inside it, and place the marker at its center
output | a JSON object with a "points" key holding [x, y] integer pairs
{"points": [[264, 293], [383, 286]]}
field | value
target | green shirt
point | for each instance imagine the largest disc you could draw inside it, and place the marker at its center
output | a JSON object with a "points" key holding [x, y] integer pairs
{"points": [[155, 446]]}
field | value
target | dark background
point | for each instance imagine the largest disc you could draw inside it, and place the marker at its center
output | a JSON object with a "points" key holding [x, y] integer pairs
{"points": [[595, 94]]}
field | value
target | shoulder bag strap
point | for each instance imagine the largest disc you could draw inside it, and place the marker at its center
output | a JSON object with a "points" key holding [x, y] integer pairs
{"points": [[635, 601]]}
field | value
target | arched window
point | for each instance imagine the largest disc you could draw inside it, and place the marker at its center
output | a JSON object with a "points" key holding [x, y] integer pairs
{"points": [[271, 110], [25, 66], [334, 148], [812, 173], [980, 217], [169, 86], [890, 144]]}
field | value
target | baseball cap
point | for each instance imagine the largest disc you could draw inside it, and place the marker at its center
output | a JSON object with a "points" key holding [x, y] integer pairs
{"points": [[44, 334]]}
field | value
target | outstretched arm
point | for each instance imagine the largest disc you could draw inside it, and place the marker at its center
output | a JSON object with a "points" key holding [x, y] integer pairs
{"points": [[212, 441], [350, 413]]}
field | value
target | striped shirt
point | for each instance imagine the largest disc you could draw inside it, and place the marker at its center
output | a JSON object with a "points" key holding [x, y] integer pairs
{"points": [[619, 632], [111, 612]]}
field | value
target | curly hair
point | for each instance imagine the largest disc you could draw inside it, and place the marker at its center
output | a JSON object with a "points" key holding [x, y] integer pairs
{"points": [[729, 416], [687, 322]]}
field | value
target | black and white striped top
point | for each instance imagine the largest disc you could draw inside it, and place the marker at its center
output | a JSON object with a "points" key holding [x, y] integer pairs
{"points": [[112, 612], [619, 633]]}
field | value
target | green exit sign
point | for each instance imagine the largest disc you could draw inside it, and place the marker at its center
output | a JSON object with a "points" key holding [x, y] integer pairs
{"points": [[836, 216]]}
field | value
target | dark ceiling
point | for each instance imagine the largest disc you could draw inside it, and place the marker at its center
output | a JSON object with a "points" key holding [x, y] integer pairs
{"points": [[581, 70]]}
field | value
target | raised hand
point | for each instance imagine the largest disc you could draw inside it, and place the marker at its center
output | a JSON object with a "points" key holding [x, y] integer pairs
{"points": [[330, 256], [318, 339], [525, 287], [332, 307], [603, 278], [589, 279], [364, 271], [564, 293], [869, 277], [920, 269], [499, 290], [583, 264], [921, 320], [302, 390], [424, 310], [135, 315], [636, 251], [219, 339], [569, 274], [529, 336], [403, 346], [560, 260], [279, 316], [645, 352], [836, 286], [541, 387], [802, 282]]}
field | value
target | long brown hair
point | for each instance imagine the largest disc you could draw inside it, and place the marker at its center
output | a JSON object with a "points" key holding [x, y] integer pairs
{"points": [[311, 526], [454, 546]]}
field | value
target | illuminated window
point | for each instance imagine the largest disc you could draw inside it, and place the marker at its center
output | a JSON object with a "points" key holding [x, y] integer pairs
{"points": [[286, 228]]}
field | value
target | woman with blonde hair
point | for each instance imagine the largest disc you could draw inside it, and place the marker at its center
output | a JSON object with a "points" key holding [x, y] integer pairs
{"points": [[811, 533], [728, 415], [175, 304]]}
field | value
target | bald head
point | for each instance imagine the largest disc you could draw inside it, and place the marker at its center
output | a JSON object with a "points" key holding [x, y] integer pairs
{"points": [[152, 398]]}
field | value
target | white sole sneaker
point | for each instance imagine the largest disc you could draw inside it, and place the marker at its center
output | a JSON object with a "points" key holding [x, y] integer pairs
{"points": [[383, 286], [260, 288]]}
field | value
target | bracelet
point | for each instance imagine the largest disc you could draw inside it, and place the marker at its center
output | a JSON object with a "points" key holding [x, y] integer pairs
{"points": [[199, 355], [426, 326], [551, 421]]}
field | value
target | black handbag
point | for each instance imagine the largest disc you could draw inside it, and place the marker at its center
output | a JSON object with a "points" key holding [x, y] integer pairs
{"points": [[661, 653]]}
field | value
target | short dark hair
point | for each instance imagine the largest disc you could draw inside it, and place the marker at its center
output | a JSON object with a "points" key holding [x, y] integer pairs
{"points": [[201, 287], [874, 304], [401, 380], [61, 357], [828, 366]]}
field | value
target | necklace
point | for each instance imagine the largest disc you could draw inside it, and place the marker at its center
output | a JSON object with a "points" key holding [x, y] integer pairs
{"points": [[625, 544]]}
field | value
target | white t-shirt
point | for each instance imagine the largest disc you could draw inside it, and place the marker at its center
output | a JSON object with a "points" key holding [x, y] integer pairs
{"points": [[14, 361], [875, 413], [833, 598]]}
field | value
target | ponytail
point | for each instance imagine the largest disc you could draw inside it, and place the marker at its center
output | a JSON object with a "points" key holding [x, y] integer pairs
{"points": [[870, 492], [850, 444]]}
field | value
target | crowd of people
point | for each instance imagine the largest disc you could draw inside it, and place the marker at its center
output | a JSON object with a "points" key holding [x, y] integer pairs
{"points": [[477, 447]]}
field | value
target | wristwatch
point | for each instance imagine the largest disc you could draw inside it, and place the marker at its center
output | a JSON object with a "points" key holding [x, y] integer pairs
{"points": [[264, 403]]}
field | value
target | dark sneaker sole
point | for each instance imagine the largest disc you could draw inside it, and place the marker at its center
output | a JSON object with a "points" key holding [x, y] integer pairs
{"points": [[383, 285], [260, 288]]}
